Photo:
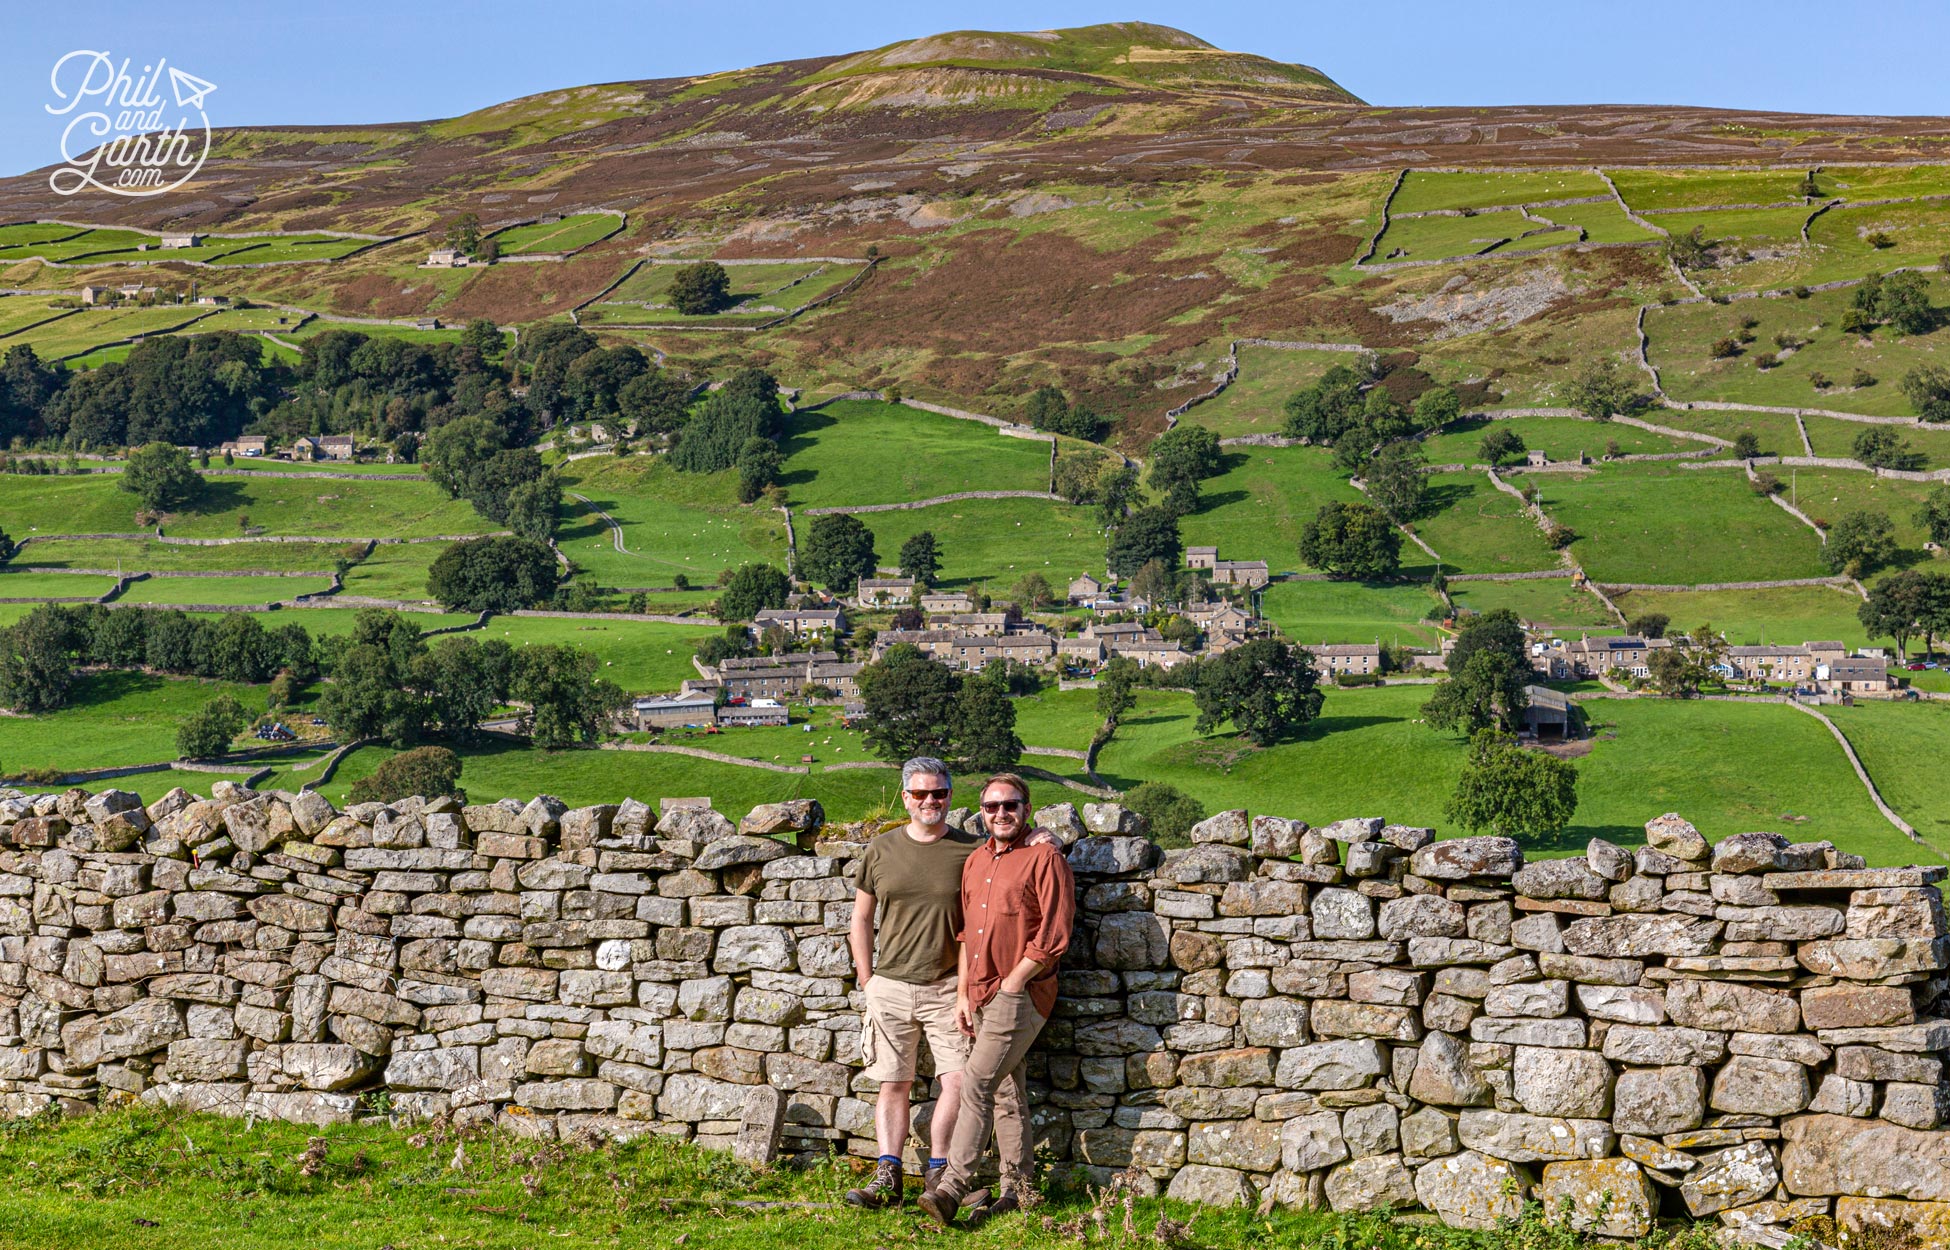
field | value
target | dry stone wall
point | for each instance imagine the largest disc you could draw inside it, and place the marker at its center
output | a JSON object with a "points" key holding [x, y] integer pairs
{"points": [[1349, 1016]]}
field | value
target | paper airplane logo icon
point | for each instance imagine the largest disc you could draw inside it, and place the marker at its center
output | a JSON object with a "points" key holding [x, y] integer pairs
{"points": [[190, 89]]}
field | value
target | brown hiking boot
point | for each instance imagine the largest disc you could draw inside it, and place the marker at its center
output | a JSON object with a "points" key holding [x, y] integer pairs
{"points": [[886, 1189], [931, 1178], [1008, 1200]]}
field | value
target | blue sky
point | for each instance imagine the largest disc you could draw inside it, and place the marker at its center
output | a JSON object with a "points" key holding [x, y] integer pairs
{"points": [[359, 61]]}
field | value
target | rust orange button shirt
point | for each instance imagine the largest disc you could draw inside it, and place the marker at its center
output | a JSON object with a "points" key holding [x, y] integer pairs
{"points": [[1016, 901]]}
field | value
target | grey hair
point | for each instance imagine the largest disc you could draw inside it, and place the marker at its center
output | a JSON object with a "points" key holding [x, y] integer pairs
{"points": [[925, 765]]}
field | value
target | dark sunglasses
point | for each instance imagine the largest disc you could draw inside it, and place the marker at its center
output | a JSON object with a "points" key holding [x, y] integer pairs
{"points": [[918, 795], [1003, 805]]}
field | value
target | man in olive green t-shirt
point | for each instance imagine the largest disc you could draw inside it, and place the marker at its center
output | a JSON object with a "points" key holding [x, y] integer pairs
{"points": [[910, 878]]}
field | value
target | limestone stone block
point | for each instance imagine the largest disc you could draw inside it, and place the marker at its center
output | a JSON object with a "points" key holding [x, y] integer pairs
{"points": [[1556, 1082], [1471, 1190], [1608, 1197], [1652, 1102]]}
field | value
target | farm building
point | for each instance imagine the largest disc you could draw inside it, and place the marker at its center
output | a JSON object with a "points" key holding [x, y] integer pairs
{"points": [[1547, 713], [671, 711], [884, 592]]}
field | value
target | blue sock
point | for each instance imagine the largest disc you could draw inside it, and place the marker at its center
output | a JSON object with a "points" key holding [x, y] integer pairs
{"points": [[936, 1163], [890, 1158]]}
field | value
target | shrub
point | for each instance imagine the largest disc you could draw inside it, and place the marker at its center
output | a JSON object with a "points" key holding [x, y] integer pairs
{"points": [[1819, 380], [1748, 323], [1746, 444], [1861, 378], [1765, 483], [1168, 811], [1802, 292], [428, 772], [207, 731], [1879, 239], [1766, 360], [1726, 348], [1856, 321], [700, 289]]}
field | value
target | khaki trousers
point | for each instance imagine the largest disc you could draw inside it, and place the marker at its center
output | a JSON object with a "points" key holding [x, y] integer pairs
{"points": [[994, 1095]]}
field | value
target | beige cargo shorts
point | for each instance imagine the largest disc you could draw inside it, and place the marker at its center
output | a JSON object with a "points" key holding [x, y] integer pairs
{"points": [[897, 1016]]}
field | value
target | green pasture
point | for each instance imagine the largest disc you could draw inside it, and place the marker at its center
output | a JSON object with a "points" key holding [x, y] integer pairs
{"points": [[53, 586], [1918, 234], [114, 718], [1828, 495], [867, 452], [1057, 718], [1750, 227], [17, 312], [642, 657], [1560, 438], [1876, 182], [1775, 430], [1268, 377], [672, 522], [135, 554], [393, 571], [1895, 741], [1257, 507], [1439, 238], [1681, 340], [448, 333], [1542, 239], [1552, 601], [1832, 437], [995, 541], [1477, 528], [645, 294], [94, 503], [1422, 191], [319, 622], [578, 230], [1661, 524], [173, 591], [1792, 614], [1652, 190], [72, 245], [1729, 768], [93, 327], [1336, 611], [1603, 222]]}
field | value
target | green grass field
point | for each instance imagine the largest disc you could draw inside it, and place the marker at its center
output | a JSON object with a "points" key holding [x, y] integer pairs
{"points": [[71, 244], [1312, 612], [1256, 509], [17, 312], [640, 656], [134, 555], [95, 504], [1681, 340], [53, 586], [1422, 190], [1057, 718], [1603, 222], [1560, 438], [1793, 614], [1268, 376], [1659, 524], [996, 541], [1477, 528], [1549, 602], [1918, 235], [1894, 741], [194, 1181], [91, 328], [322, 621], [1776, 430], [170, 591], [1653, 189], [1831, 437], [1828, 495], [672, 523], [1746, 227], [866, 452], [645, 295], [1729, 768], [115, 718], [578, 230], [1439, 238], [449, 333], [393, 571]]}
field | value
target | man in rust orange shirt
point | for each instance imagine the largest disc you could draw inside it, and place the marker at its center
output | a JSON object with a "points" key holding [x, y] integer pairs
{"points": [[1018, 905]]}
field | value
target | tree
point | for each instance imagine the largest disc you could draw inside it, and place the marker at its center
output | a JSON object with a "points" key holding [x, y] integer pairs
{"points": [[424, 772], [759, 466], [982, 734], [1511, 792], [1880, 447], [1679, 671], [1601, 390], [1860, 543], [1928, 388], [1351, 540], [1398, 480], [531, 508], [462, 232], [1114, 690], [451, 452], [838, 550], [701, 289], [206, 732], [1048, 409], [655, 401], [465, 682], [567, 702], [723, 426], [1146, 535], [37, 660], [1181, 458], [1935, 618], [1266, 688], [1155, 583], [1485, 690], [1169, 813], [1500, 444], [911, 704], [1904, 302], [1321, 413], [1649, 624], [1033, 591], [920, 559], [369, 696], [1692, 250], [1437, 407], [1746, 445], [751, 589], [492, 574], [161, 477], [1933, 514], [1897, 607], [1117, 485]]}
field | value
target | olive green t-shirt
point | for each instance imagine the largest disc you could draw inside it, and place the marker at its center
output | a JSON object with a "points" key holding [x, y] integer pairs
{"points": [[917, 900]]}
